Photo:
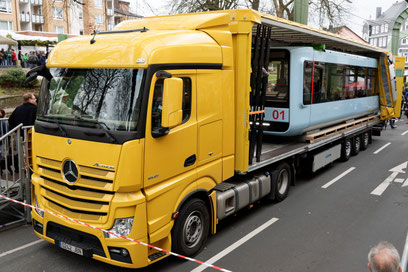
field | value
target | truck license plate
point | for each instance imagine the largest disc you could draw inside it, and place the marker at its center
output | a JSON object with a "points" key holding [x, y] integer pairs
{"points": [[71, 248]]}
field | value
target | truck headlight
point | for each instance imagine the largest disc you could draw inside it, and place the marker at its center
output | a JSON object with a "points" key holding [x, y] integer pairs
{"points": [[40, 212], [122, 226]]}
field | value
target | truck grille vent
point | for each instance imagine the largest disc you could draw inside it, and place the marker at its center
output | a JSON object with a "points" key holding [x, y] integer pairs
{"points": [[88, 199]]}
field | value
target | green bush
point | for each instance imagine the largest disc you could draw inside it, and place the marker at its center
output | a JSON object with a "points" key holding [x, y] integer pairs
{"points": [[14, 77]]}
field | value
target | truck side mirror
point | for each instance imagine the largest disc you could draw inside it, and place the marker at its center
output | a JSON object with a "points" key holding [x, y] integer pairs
{"points": [[172, 111]]}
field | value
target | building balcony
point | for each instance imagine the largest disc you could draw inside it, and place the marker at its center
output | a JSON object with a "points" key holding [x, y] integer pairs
{"points": [[109, 12], [24, 18], [36, 2], [37, 19]]}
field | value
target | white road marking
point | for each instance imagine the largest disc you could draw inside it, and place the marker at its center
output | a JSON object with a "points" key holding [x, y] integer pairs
{"points": [[235, 245], [399, 180], [405, 183], [20, 248], [384, 185], [381, 148], [338, 177], [405, 132]]}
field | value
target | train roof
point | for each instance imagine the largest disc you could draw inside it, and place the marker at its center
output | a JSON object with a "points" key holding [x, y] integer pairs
{"points": [[284, 32]]}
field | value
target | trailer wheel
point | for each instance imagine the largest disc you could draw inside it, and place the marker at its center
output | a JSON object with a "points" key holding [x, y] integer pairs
{"points": [[365, 140], [345, 150], [190, 231], [355, 147], [283, 181]]}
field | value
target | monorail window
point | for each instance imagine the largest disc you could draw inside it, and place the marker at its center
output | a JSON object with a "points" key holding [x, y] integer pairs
{"points": [[332, 82], [277, 93]]}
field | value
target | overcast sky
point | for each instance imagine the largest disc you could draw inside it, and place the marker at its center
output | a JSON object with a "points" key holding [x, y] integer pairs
{"points": [[359, 11]]}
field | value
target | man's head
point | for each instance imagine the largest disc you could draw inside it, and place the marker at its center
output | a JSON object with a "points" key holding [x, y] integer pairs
{"points": [[384, 257], [30, 98]]}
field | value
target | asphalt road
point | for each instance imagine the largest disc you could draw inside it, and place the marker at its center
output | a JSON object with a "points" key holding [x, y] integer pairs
{"points": [[314, 229]]}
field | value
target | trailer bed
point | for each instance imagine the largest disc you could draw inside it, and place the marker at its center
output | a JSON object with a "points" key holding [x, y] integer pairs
{"points": [[275, 149]]}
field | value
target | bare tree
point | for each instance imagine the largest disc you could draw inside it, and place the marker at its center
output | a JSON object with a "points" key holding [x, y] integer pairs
{"points": [[185, 6], [326, 11]]}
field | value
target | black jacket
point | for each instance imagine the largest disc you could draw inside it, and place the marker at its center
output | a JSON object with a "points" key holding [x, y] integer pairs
{"points": [[23, 114]]}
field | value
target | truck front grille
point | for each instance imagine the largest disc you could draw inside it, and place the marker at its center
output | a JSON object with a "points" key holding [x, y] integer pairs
{"points": [[88, 199]]}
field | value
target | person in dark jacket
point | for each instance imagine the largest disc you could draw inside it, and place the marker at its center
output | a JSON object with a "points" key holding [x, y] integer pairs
{"points": [[25, 113]]}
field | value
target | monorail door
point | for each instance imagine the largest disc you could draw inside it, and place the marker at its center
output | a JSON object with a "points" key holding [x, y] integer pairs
{"points": [[277, 93]]}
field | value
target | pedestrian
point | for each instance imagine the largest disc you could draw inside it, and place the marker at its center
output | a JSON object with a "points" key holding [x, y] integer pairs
{"points": [[13, 57], [24, 113], [2, 56], [20, 58], [25, 60], [33, 60], [384, 257], [8, 54], [42, 59]]}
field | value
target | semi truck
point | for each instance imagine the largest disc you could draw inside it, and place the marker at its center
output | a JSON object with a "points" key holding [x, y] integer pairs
{"points": [[166, 125]]}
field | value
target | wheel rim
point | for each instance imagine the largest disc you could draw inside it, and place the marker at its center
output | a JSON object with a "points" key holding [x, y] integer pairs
{"points": [[365, 139], [193, 229], [357, 143], [347, 147], [283, 181]]}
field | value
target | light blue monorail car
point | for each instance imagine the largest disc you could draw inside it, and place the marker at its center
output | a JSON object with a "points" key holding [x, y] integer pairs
{"points": [[310, 89]]}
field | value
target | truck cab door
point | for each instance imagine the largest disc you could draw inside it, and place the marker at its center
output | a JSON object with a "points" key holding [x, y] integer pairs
{"points": [[170, 155]]}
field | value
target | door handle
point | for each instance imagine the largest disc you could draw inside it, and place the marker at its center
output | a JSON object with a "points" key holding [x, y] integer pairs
{"points": [[190, 160]]}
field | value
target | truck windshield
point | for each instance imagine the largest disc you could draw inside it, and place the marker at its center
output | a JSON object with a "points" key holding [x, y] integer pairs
{"points": [[108, 98]]}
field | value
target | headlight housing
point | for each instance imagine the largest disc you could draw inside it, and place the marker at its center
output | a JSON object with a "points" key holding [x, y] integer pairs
{"points": [[122, 226], [40, 212]]}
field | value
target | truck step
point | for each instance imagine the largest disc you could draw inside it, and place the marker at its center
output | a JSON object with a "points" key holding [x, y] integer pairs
{"points": [[156, 255]]}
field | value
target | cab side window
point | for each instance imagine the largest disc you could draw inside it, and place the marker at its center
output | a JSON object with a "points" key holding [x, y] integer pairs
{"points": [[158, 97]]}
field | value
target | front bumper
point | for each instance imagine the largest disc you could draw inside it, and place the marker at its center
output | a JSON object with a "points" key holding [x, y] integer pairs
{"points": [[91, 241]]}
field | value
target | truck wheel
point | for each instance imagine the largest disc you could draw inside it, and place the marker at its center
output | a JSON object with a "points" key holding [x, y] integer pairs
{"points": [[365, 140], [283, 181], [345, 150], [355, 147], [190, 231]]}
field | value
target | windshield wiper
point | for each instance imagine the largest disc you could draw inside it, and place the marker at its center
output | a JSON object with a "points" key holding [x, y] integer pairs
{"points": [[101, 125], [55, 126]]}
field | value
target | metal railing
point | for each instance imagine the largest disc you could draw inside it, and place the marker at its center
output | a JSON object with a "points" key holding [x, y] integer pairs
{"points": [[14, 173], [24, 17]]}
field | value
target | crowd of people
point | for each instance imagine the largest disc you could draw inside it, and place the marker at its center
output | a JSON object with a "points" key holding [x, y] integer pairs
{"points": [[28, 60]]}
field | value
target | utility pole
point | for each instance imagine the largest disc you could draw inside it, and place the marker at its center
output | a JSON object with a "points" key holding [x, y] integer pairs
{"points": [[301, 8]]}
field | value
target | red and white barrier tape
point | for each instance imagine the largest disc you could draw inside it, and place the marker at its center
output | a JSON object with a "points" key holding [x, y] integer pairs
{"points": [[116, 235]]}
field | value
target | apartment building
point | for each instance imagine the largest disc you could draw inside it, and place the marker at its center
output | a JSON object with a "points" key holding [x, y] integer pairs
{"points": [[378, 32], [75, 17]]}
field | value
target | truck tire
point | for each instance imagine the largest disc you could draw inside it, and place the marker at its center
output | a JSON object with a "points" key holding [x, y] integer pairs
{"points": [[356, 145], [365, 140], [191, 229], [282, 182], [345, 150]]}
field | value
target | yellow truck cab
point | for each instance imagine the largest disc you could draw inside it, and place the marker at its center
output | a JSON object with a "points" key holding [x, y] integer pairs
{"points": [[145, 131]]}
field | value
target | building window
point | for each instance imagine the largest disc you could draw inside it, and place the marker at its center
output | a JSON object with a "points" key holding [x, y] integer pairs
{"points": [[386, 28], [98, 19], [6, 25], [57, 13], [5, 6], [404, 41], [59, 29], [98, 4], [81, 32], [81, 15]]}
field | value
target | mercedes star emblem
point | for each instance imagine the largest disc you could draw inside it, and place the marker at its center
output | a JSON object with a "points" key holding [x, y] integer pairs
{"points": [[70, 171]]}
